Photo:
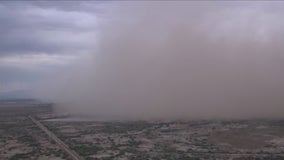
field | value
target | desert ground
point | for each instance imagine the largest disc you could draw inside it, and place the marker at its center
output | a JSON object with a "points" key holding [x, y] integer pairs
{"points": [[93, 139]]}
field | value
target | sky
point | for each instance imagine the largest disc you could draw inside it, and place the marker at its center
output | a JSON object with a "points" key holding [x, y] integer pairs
{"points": [[40, 38], [146, 59]]}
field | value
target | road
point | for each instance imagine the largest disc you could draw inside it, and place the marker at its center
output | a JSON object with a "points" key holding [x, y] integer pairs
{"points": [[60, 143]]}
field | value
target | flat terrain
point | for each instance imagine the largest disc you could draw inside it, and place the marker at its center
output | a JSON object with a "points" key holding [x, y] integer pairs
{"points": [[20, 138], [246, 139]]}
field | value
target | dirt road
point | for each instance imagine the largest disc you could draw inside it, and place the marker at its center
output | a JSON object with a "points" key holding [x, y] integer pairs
{"points": [[61, 144]]}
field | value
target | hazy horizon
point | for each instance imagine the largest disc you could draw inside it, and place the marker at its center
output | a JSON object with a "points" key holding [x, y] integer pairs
{"points": [[148, 60]]}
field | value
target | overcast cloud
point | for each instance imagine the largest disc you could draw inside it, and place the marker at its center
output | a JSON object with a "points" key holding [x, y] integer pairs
{"points": [[38, 38], [27, 28]]}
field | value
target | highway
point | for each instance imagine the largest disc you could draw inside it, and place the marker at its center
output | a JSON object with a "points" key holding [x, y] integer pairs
{"points": [[60, 143]]}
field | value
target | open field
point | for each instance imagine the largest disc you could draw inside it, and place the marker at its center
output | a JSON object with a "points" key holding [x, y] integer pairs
{"points": [[20, 138], [254, 139]]}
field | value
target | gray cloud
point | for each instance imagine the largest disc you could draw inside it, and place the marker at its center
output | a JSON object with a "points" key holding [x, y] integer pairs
{"points": [[40, 37], [46, 27]]}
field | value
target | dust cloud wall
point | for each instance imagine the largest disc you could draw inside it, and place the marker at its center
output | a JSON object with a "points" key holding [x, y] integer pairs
{"points": [[181, 60]]}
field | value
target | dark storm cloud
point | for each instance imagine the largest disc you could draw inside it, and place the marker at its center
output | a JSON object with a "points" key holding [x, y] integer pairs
{"points": [[41, 37], [46, 27], [82, 6]]}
